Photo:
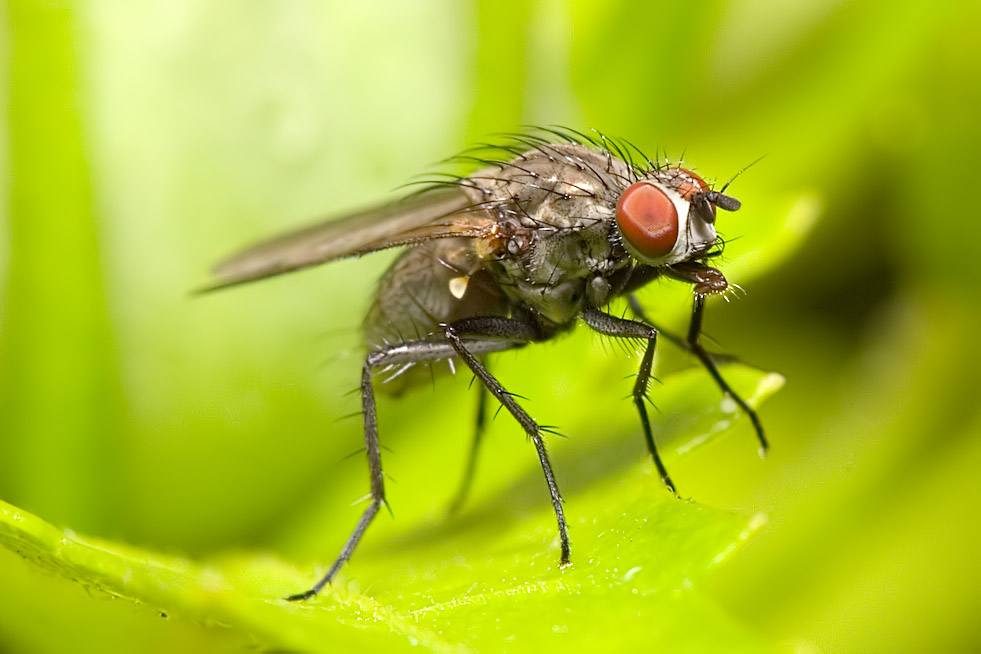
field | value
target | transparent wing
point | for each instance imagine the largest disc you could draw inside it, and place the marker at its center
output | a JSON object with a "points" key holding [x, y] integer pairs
{"points": [[443, 213]]}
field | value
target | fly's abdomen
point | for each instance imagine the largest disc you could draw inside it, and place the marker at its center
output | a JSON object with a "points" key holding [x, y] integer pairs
{"points": [[430, 284]]}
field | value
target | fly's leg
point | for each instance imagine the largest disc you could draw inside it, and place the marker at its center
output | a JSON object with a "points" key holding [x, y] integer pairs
{"points": [[375, 473], [623, 328], [478, 434], [694, 330], [514, 330], [638, 310], [707, 281], [415, 351], [674, 339]]}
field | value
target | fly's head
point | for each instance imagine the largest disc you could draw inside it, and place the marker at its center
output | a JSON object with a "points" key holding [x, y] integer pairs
{"points": [[669, 217]]}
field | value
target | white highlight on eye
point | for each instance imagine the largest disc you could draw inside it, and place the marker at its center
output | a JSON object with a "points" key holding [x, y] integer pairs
{"points": [[458, 286]]}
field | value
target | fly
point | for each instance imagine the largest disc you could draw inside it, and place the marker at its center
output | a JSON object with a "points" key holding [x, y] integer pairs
{"points": [[516, 253]]}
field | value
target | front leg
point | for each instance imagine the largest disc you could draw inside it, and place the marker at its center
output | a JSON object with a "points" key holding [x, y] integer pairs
{"points": [[637, 309], [694, 330], [604, 323], [709, 281]]}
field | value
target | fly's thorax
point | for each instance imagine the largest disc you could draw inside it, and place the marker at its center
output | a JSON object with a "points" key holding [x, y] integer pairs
{"points": [[554, 206], [554, 212], [563, 270], [560, 186]]}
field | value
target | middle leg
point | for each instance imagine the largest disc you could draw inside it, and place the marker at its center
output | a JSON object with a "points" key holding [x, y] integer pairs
{"points": [[604, 323], [478, 433]]}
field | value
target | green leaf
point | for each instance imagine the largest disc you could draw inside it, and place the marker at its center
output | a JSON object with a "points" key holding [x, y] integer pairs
{"points": [[454, 584]]}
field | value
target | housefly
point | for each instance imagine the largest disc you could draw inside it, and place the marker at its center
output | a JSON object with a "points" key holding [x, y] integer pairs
{"points": [[542, 237]]}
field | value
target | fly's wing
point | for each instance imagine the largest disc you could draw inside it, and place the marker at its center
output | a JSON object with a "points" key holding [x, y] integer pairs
{"points": [[444, 213]]}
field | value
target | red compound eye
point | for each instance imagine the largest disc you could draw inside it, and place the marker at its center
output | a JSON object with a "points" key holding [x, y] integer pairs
{"points": [[648, 220]]}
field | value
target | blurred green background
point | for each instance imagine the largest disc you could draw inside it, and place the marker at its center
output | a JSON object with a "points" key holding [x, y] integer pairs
{"points": [[145, 140]]}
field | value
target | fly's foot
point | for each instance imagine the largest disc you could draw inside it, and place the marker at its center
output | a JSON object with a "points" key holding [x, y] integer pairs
{"points": [[302, 597]]}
